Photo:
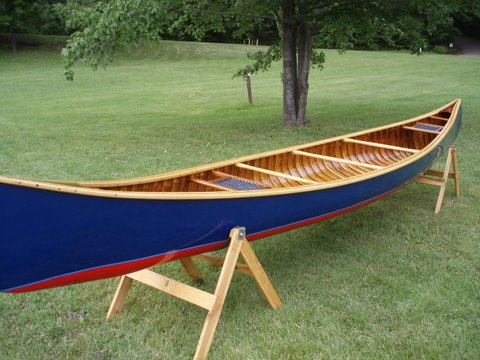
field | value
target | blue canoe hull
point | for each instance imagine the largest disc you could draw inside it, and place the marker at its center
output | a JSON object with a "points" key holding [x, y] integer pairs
{"points": [[51, 238]]}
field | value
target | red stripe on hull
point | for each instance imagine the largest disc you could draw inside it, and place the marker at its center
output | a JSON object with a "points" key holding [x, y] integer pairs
{"points": [[109, 271]]}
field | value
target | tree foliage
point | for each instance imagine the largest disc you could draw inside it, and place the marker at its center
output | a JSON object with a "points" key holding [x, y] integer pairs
{"points": [[30, 17], [13, 17], [103, 27], [107, 27]]}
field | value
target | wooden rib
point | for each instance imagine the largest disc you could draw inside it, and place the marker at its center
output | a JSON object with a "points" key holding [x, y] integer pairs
{"points": [[438, 118], [334, 170], [344, 150], [330, 166], [361, 156], [318, 169], [326, 167], [373, 158], [224, 174], [378, 159], [330, 158], [337, 150], [338, 170], [421, 130], [210, 184], [387, 156], [275, 173], [302, 168], [267, 163], [380, 145], [280, 162]]}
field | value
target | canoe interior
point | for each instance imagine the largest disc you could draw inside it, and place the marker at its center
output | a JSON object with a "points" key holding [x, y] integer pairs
{"points": [[339, 159]]}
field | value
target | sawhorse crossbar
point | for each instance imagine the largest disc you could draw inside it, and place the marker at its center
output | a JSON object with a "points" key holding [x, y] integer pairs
{"points": [[213, 303], [440, 178]]}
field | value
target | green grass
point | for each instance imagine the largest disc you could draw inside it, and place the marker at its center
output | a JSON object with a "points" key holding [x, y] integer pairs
{"points": [[388, 281]]}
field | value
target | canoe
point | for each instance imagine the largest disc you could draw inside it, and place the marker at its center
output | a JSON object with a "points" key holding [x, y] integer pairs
{"points": [[59, 233]]}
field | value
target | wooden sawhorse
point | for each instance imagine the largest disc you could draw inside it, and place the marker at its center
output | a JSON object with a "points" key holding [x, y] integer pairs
{"points": [[440, 178], [213, 303]]}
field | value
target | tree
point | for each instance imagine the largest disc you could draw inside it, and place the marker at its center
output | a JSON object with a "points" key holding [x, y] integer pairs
{"points": [[12, 17], [104, 27], [28, 16], [305, 24]]}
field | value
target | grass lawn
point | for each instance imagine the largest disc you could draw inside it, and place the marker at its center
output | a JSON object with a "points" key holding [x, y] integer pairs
{"points": [[390, 280]]}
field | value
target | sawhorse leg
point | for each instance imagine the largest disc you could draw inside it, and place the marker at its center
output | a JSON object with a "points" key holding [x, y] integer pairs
{"points": [[213, 303], [441, 177]]}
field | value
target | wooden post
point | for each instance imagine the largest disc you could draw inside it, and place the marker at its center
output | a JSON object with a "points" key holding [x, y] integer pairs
{"points": [[191, 269], [237, 237], [440, 178], [249, 88], [120, 296], [253, 268], [456, 173], [211, 302]]}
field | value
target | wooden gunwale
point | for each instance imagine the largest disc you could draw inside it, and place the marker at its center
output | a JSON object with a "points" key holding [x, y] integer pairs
{"points": [[93, 188]]}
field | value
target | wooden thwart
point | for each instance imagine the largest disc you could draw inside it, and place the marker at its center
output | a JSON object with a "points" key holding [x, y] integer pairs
{"points": [[335, 159], [210, 184], [438, 118], [213, 303], [380, 145], [440, 178], [275, 173]]}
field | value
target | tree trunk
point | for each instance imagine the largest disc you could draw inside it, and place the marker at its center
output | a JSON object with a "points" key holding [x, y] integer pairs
{"points": [[289, 64], [11, 12], [13, 37], [304, 59], [295, 73]]}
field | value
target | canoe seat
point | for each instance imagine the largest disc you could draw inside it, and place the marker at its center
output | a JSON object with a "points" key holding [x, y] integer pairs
{"points": [[429, 127], [237, 184]]}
